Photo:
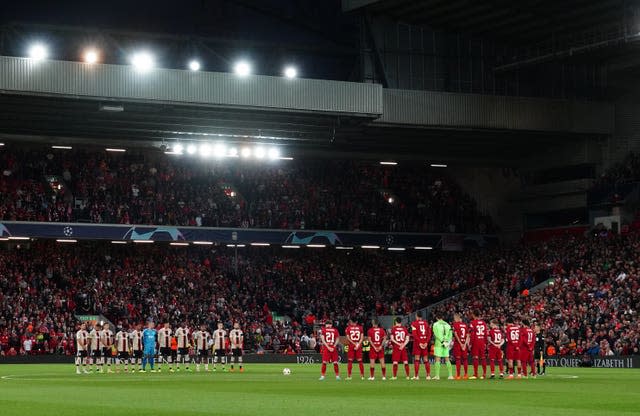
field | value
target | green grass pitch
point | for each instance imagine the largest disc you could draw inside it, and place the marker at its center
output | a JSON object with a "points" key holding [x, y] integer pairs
{"points": [[39, 389]]}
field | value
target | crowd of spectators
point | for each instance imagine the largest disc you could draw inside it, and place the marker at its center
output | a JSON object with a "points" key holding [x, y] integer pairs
{"points": [[592, 304], [617, 181], [590, 307], [102, 187]]}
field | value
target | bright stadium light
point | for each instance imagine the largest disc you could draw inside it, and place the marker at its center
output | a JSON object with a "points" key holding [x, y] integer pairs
{"points": [[438, 165], [242, 68], [142, 61], [178, 148], [396, 249], [219, 150], [370, 247], [194, 65], [233, 152], [290, 72], [192, 149], [245, 152], [91, 56], [423, 248], [389, 163], [38, 52], [205, 150], [260, 152], [274, 153]]}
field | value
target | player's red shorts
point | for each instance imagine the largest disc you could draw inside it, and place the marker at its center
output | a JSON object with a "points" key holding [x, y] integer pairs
{"points": [[354, 354], [526, 356], [495, 353], [330, 356], [458, 352], [376, 355], [513, 352], [478, 349], [420, 352], [399, 356]]}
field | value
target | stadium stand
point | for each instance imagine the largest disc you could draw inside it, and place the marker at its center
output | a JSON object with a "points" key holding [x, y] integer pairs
{"points": [[592, 306], [98, 187]]}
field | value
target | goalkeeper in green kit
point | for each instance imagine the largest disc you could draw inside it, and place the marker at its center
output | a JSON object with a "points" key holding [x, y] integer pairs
{"points": [[443, 335]]}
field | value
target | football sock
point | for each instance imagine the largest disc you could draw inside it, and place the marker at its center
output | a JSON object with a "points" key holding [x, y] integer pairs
{"points": [[427, 366], [323, 371], [437, 368], [475, 366], [372, 371], [449, 368], [361, 365], [416, 368], [406, 369], [458, 363], [465, 363], [493, 366], [384, 371], [349, 368], [484, 366], [336, 368], [395, 369]]}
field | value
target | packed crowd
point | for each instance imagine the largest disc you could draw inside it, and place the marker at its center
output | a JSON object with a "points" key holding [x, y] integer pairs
{"points": [[591, 307], [101, 187]]}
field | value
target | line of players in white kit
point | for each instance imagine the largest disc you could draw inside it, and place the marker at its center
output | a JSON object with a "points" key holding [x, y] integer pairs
{"points": [[99, 347]]}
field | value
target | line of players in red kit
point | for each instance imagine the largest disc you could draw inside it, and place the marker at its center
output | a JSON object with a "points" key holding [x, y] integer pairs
{"points": [[475, 338]]}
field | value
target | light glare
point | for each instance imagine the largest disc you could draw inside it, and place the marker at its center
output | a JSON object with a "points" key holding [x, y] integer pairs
{"points": [[242, 68], [290, 72], [245, 152], [143, 61], [38, 52], [91, 56], [194, 65], [178, 148], [192, 149], [260, 152]]}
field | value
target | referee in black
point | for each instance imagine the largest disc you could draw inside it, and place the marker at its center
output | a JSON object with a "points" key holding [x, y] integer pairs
{"points": [[540, 350]]}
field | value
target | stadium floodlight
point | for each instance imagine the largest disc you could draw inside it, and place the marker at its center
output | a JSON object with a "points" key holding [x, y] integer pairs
{"points": [[260, 244], [287, 246], [260, 152], [219, 150], [118, 242], [274, 153], [143, 241], [316, 245], [438, 165], [142, 61], [178, 148], [344, 248], [61, 147], [389, 163], [245, 152], [178, 244], [396, 249], [203, 243], [290, 72], [390, 200], [194, 65], [115, 150], [423, 248], [38, 52], [370, 247], [66, 240], [205, 150], [236, 245], [285, 158], [192, 149], [1, 144], [91, 56], [242, 68], [19, 238], [233, 152]]}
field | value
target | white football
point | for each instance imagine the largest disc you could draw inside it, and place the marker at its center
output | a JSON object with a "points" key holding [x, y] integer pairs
{"points": [[286, 372]]}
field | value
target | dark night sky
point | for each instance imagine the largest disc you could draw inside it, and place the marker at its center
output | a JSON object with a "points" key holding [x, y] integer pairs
{"points": [[284, 23]]}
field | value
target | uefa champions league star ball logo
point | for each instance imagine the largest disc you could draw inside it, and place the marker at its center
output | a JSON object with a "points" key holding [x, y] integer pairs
{"points": [[68, 231]]}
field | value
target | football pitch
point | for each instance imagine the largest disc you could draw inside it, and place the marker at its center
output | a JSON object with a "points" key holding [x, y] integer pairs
{"points": [[263, 390]]}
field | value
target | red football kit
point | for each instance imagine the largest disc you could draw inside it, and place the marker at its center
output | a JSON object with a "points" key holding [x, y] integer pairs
{"points": [[478, 330], [355, 336], [527, 341], [495, 335], [513, 342], [399, 334], [330, 336], [421, 333], [495, 353], [376, 338], [460, 331]]}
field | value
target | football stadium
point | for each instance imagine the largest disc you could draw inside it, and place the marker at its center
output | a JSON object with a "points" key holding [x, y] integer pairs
{"points": [[254, 207]]}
